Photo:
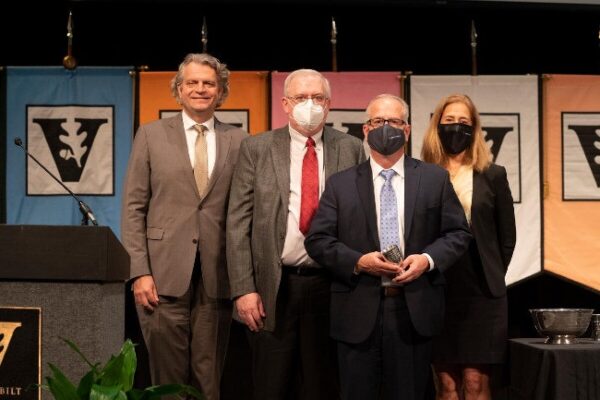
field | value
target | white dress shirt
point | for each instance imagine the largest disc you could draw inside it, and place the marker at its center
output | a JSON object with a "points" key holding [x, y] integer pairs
{"points": [[211, 141], [294, 252]]}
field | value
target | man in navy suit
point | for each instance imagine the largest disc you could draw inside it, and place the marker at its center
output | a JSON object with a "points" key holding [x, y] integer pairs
{"points": [[384, 313]]}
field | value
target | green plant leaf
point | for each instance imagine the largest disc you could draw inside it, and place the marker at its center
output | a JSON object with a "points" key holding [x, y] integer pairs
{"points": [[85, 385], [111, 373], [112, 382], [100, 392], [192, 391], [153, 392], [135, 394], [129, 365], [76, 350], [120, 370], [60, 387]]}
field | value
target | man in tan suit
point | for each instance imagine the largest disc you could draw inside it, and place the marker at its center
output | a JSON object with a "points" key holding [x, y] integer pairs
{"points": [[174, 213], [280, 293]]}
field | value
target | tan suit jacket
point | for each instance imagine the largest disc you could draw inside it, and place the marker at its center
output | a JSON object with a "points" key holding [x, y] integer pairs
{"points": [[165, 221], [258, 208]]}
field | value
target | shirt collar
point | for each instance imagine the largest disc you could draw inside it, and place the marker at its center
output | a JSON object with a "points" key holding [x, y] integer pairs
{"points": [[300, 139], [398, 167], [189, 123]]}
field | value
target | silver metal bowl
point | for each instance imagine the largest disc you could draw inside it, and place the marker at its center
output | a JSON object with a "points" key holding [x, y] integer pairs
{"points": [[596, 327], [561, 325]]}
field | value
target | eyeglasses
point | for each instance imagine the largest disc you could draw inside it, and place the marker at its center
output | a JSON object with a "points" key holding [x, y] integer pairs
{"points": [[192, 84], [395, 122], [301, 98]]}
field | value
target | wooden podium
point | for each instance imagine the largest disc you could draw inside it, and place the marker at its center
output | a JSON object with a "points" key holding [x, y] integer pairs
{"points": [[76, 275]]}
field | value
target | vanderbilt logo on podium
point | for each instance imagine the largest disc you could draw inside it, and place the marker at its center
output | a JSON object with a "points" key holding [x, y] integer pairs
{"points": [[6, 332], [20, 350]]}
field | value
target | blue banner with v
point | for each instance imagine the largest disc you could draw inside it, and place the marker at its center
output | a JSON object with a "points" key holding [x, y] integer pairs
{"points": [[79, 125]]}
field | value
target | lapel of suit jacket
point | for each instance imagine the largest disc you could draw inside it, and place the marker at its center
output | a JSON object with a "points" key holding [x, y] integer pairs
{"points": [[412, 177], [479, 184], [364, 187], [280, 153], [330, 152], [223, 143], [177, 137]]}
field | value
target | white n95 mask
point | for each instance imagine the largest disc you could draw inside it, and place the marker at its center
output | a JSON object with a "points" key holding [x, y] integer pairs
{"points": [[308, 114]]}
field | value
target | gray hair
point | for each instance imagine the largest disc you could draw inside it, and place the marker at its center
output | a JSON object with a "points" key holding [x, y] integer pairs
{"points": [[204, 59], [391, 97], [307, 72]]}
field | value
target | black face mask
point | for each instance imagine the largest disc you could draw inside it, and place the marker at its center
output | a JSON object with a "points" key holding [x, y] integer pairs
{"points": [[455, 137], [386, 139]]}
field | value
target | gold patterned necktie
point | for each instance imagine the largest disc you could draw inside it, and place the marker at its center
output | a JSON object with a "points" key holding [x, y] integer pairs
{"points": [[201, 164]]}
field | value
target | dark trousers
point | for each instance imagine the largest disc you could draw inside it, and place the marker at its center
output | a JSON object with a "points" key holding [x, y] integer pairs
{"points": [[393, 363], [297, 360], [187, 338]]}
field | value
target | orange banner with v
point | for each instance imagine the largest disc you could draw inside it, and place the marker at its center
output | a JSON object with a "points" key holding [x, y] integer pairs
{"points": [[572, 176], [247, 105]]}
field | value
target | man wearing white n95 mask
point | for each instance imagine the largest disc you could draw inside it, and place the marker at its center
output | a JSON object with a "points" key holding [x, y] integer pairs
{"points": [[280, 293]]}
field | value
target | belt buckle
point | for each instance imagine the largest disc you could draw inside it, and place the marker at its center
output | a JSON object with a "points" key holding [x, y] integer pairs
{"points": [[302, 270], [392, 291]]}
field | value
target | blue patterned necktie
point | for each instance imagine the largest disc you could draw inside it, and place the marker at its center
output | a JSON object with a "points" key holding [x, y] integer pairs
{"points": [[388, 216]]}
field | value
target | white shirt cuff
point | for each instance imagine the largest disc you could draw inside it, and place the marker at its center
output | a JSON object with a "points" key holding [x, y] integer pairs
{"points": [[431, 264]]}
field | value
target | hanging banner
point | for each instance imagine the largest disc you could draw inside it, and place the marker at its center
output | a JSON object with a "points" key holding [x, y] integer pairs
{"points": [[246, 106], [510, 120], [350, 94], [572, 149], [78, 125]]}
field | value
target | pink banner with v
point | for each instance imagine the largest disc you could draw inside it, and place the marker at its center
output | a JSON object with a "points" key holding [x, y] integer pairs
{"points": [[350, 94]]}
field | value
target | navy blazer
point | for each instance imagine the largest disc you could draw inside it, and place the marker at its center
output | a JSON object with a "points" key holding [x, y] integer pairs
{"points": [[345, 228], [493, 225]]}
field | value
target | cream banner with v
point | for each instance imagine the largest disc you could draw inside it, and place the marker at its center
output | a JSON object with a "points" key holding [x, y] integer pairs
{"points": [[509, 108]]}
